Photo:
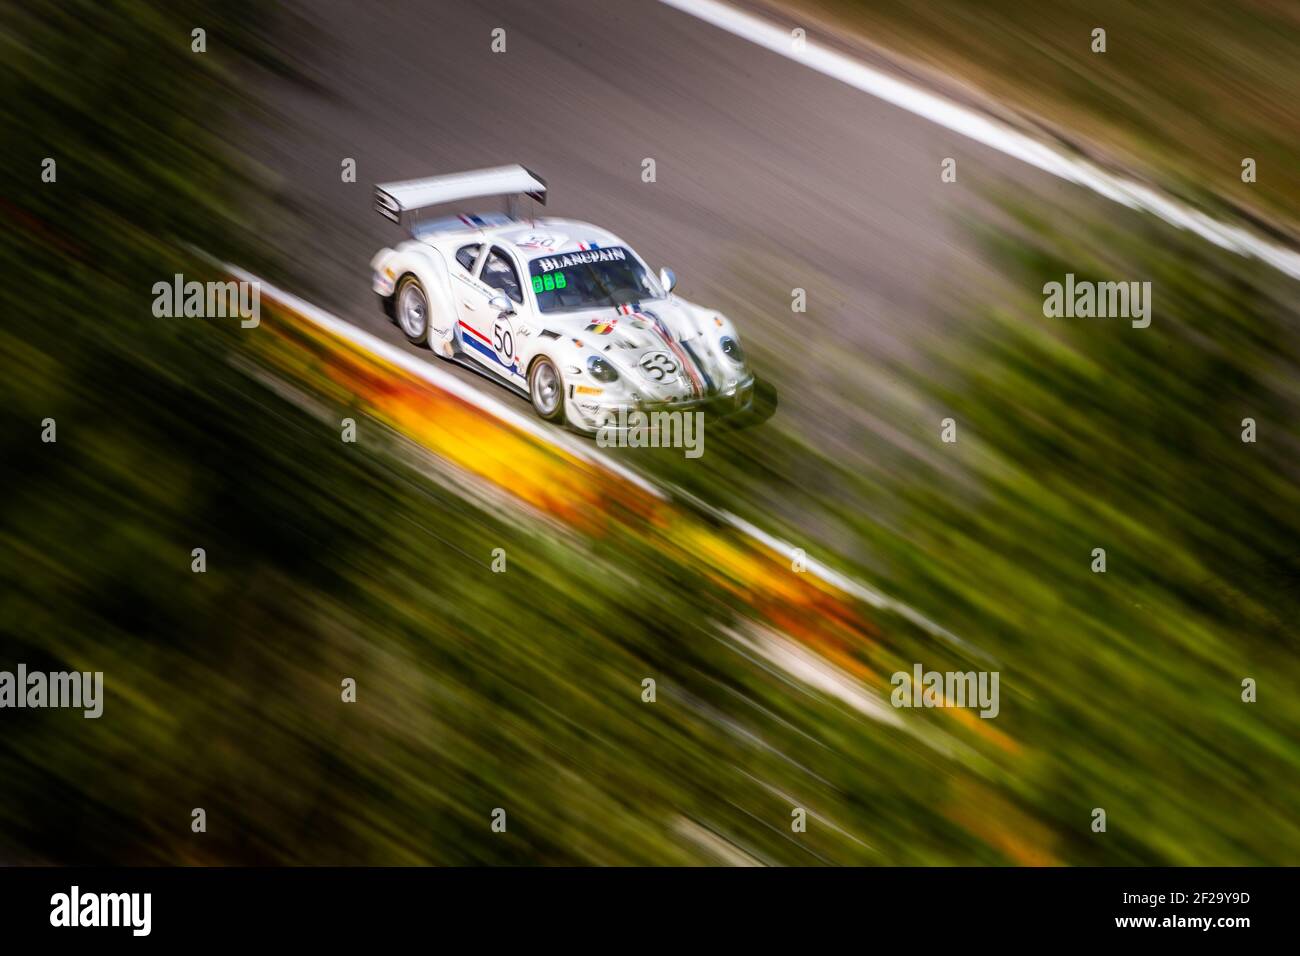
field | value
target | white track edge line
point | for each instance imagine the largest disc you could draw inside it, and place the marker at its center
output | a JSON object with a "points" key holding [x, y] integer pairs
{"points": [[991, 133], [449, 383], [440, 379]]}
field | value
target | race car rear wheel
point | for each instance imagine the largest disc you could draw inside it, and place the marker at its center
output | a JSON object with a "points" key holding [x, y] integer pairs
{"points": [[547, 390], [412, 310]]}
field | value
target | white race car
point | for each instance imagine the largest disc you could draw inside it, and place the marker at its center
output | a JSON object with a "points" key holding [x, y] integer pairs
{"points": [[562, 312]]}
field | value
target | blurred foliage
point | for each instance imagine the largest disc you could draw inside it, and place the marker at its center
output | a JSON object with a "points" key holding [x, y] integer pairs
{"points": [[522, 690], [1075, 434], [323, 562], [1185, 90]]}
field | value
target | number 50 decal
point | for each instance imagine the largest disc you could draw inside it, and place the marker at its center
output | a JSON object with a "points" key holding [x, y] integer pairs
{"points": [[503, 340]]}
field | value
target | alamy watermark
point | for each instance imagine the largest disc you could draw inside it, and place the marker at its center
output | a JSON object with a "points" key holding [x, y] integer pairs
{"points": [[922, 688], [208, 300], [1102, 300], [38, 689], [663, 429], [75, 909]]}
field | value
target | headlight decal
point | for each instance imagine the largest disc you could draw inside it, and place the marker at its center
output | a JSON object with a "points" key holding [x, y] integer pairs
{"points": [[732, 350], [601, 370]]}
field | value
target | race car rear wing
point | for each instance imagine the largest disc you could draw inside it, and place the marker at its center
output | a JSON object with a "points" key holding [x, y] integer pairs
{"points": [[393, 199]]}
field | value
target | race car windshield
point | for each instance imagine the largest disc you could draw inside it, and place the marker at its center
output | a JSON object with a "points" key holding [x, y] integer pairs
{"points": [[590, 278]]}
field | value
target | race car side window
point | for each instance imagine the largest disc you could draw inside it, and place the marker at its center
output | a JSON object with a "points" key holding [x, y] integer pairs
{"points": [[467, 255], [499, 273]]}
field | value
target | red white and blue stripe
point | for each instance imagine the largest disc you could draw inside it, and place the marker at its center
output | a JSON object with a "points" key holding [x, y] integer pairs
{"points": [[699, 379], [480, 343]]}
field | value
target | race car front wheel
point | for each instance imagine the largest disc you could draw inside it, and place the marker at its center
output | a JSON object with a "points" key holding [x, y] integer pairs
{"points": [[547, 390], [412, 310]]}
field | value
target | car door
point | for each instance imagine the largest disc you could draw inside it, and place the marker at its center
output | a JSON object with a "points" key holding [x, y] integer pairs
{"points": [[466, 291], [487, 335]]}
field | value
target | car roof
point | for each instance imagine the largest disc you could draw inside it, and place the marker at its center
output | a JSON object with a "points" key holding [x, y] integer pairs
{"points": [[528, 237]]}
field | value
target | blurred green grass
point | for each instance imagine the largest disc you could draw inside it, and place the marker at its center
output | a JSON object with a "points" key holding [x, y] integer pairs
{"points": [[523, 690], [1073, 434], [223, 689]]}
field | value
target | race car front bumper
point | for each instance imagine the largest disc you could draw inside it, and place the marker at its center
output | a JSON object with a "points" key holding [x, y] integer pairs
{"points": [[590, 413]]}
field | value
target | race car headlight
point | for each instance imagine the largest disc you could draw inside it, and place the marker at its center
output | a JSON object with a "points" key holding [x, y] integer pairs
{"points": [[601, 370], [731, 349]]}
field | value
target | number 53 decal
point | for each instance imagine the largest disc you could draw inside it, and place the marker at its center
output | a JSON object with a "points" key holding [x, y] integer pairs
{"points": [[658, 366]]}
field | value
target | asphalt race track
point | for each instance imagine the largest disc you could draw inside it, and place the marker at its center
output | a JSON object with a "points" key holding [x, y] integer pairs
{"points": [[762, 165]]}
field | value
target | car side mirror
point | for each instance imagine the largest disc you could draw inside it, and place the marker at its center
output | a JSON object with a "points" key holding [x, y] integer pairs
{"points": [[667, 279], [501, 303]]}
